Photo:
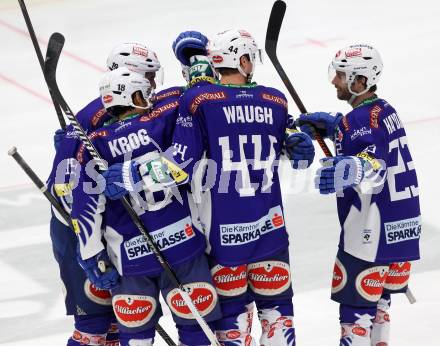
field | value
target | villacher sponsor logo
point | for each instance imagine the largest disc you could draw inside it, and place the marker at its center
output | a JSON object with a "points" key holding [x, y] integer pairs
{"points": [[243, 233], [229, 281], [370, 282], [269, 277], [398, 275], [133, 310]]}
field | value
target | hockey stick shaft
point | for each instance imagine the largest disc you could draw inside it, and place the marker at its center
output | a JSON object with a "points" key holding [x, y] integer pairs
{"points": [[54, 48], [272, 34], [53, 201], [30, 27], [41, 186]]}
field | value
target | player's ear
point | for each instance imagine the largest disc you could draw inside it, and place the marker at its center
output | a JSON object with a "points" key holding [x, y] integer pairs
{"points": [[138, 99]]}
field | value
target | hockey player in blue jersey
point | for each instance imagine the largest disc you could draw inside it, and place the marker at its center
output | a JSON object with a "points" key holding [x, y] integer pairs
{"points": [[240, 127], [374, 178], [90, 306], [136, 134]]}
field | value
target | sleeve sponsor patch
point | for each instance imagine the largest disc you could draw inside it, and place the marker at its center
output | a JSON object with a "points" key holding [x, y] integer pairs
{"points": [[201, 98], [157, 112], [275, 99], [98, 116], [167, 94], [374, 116]]}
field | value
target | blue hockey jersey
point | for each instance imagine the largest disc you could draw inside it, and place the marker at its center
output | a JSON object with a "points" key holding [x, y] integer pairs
{"points": [[229, 139], [380, 224], [166, 219]]}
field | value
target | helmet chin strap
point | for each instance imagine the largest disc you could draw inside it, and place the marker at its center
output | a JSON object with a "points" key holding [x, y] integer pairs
{"points": [[246, 75], [354, 94]]}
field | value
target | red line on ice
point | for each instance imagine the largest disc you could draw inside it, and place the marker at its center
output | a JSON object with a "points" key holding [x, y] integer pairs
{"points": [[25, 88], [44, 42]]}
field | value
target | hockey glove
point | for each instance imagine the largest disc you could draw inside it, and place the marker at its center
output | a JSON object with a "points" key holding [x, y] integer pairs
{"points": [[99, 270], [324, 123], [339, 173], [201, 70], [58, 138], [188, 44], [121, 179], [299, 149]]}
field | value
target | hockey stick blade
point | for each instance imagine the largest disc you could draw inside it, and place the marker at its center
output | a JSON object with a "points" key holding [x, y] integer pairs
{"points": [[54, 49], [272, 35], [274, 28], [37, 49]]}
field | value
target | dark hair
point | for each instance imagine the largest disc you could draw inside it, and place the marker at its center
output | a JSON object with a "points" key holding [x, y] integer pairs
{"points": [[227, 71], [116, 111], [372, 89]]}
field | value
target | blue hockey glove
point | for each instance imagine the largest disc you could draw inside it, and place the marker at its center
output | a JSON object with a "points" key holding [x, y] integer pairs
{"points": [[324, 123], [339, 173], [201, 70], [120, 179], [299, 149], [99, 270], [188, 44], [58, 137]]}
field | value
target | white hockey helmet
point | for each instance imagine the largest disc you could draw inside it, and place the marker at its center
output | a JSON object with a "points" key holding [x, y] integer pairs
{"points": [[227, 47], [118, 86], [357, 60], [136, 57]]}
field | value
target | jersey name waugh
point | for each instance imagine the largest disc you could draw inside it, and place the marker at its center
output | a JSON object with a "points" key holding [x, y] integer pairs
{"points": [[248, 114]]}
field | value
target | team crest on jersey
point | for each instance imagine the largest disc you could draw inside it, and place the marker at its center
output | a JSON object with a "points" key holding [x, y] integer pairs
{"points": [[269, 277], [157, 112], [275, 99], [339, 277], [398, 276], [98, 116], [374, 116], [199, 99], [97, 295], [202, 294], [229, 281], [370, 282], [133, 310], [82, 147], [170, 93]]}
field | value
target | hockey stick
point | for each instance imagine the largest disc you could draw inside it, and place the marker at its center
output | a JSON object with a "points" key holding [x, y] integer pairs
{"points": [[54, 48], [41, 186], [272, 34], [52, 200], [27, 19]]}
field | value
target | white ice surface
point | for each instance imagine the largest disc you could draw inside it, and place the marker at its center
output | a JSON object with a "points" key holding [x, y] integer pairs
{"points": [[405, 32]]}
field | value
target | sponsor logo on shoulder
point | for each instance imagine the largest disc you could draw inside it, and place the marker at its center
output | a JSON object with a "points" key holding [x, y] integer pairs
{"points": [[157, 112], [176, 92], [243, 233], [374, 116], [165, 238], [403, 230], [98, 116], [275, 99], [199, 99]]}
